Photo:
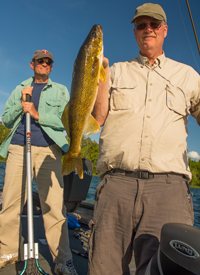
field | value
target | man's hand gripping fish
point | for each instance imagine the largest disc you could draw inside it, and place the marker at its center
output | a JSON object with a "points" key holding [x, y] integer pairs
{"points": [[77, 118]]}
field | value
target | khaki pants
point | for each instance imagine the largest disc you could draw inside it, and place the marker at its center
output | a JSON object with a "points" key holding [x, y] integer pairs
{"points": [[46, 162], [129, 214]]}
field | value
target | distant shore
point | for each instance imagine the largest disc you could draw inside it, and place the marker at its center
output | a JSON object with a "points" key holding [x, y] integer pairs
{"points": [[197, 187], [2, 160]]}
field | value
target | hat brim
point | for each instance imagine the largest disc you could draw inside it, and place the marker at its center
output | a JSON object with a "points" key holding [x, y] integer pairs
{"points": [[42, 56], [153, 15]]}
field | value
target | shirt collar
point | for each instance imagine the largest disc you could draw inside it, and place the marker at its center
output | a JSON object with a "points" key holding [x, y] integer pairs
{"points": [[158, 62], [30, 80]]}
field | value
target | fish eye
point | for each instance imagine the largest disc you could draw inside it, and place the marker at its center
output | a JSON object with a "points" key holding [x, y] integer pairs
{"points": [[94, 34]]}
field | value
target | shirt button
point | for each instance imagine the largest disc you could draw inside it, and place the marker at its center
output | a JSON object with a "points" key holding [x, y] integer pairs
{"points": [[151, 84], [145, 136], [142, 159], [148, 116], [150, 100]]}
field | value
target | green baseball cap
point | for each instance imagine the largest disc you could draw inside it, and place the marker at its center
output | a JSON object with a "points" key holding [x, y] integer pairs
{"points": [[151, 10]]}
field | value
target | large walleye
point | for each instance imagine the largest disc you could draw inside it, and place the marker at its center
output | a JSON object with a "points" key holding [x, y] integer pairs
{"points": [[77, 117]]}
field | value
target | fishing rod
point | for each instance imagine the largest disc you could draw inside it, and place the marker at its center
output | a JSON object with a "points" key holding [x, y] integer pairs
{"points": [[195, 34]]}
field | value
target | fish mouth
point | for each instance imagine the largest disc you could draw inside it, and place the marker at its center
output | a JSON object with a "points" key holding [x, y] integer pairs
{"points": [[97, 28], [94, 39], [100, 28]]}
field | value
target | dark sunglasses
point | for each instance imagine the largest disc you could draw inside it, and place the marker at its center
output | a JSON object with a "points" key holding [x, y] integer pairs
{"points": [[48, 62], [154, 25]]}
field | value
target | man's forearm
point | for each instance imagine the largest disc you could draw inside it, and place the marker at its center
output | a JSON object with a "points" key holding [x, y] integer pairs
{"points": [[101, 106]]}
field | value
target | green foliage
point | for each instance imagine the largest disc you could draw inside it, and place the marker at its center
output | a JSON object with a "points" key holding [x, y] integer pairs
{"points": [[195, 169], [4, 132], [90, 150]]}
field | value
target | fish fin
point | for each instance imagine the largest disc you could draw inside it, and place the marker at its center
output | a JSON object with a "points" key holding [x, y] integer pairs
{"points": [[65, 119], [73, 163], [92, 126], [102, 74]]}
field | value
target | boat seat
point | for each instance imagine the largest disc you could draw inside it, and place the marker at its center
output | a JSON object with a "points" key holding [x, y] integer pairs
{"points": [[76, 189]]}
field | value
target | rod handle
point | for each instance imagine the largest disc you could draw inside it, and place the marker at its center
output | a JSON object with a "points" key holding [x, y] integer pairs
{"points": [[28, 98]]}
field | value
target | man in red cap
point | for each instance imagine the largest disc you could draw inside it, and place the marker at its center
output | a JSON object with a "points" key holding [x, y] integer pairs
{"points": [[143, 107], [48, 100]]}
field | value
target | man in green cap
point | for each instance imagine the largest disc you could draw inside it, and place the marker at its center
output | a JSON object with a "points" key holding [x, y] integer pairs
{"points": [[143, 107]]}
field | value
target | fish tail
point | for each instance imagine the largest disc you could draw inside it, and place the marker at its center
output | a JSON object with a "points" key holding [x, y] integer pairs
{"points": [[73, 163]]}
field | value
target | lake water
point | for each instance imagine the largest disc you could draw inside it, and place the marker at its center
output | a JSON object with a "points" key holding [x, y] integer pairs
{"points": [[95, 181], [91, 192]]}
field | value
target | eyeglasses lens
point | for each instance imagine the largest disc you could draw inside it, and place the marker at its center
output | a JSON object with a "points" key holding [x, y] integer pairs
{"points": [[153, 25], [48, 62]]}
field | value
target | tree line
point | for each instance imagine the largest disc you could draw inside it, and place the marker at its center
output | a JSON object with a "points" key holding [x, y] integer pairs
{"points": [[4, 132], [195, 169], [90, 150]]}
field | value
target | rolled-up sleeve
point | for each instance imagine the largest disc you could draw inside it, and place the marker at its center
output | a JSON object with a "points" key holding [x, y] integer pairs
{"points": [[195, 101]]}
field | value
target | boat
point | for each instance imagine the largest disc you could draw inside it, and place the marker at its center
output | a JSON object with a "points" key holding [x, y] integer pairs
{"points": [[178, 253], [75, 192]]}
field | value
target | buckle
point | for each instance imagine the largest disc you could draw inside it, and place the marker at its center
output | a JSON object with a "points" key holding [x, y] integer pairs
{"points": [[139, 174], [143, 174]]}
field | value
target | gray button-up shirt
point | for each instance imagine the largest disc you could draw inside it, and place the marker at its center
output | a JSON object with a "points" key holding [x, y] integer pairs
{"points": [[146, 128]]}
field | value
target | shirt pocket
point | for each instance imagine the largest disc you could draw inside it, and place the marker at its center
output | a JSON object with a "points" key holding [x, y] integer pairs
{"points": [[53, 105], [53, 102], [176, 100], [123, 98]]}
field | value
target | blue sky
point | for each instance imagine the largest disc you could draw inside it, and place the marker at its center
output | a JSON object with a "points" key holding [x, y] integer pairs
{"points": [[61, 26]]}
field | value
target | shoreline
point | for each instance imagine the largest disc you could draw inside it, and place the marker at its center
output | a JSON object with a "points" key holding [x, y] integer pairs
{"points": [[4, 161], [196, 187]]}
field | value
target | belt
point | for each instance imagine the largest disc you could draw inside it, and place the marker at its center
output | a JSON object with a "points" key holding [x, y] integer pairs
{"points": [[141, 174]]}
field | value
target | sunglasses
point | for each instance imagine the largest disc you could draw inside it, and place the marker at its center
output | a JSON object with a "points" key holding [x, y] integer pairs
{"points": [[41, 61], [154, 25]]}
